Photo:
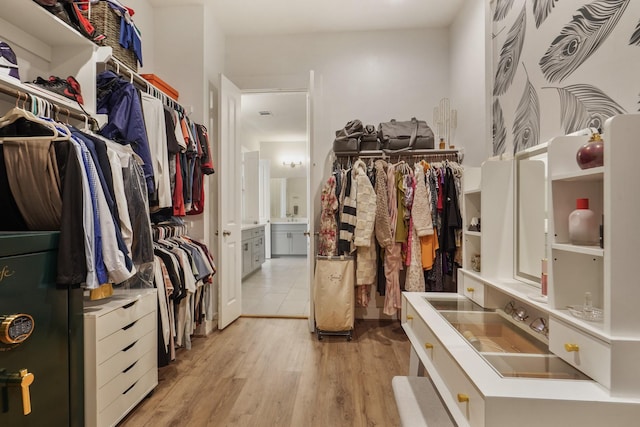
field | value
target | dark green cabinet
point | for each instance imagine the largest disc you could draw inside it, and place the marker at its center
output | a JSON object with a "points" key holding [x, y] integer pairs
{"points": [[41, 335]]}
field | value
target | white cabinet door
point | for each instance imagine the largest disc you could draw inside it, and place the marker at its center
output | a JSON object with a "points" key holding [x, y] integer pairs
{"points": [[280, 242], [298, 241]]}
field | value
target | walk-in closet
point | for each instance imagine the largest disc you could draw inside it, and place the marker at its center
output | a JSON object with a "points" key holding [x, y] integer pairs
{"points": [[320, 213]]}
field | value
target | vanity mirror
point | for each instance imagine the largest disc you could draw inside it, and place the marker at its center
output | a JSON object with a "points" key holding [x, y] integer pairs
{"points": [[530, 213]]}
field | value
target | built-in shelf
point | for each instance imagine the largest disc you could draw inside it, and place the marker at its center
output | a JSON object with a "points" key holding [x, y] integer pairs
{"points": [[473, 233], [593, 174], [37, 30], [586, 250]]}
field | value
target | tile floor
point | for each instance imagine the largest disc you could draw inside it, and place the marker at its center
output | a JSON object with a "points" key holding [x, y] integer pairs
{"points": [[277, 289]]}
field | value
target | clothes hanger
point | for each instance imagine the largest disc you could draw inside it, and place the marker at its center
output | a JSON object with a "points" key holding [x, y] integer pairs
{"points": [[18, 113]]}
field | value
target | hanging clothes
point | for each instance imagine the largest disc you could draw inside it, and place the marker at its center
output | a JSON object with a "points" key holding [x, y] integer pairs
{"points": [[327, 239], [119, 99], [348, 215], [393, 256], [155, 126], [364, 238]]}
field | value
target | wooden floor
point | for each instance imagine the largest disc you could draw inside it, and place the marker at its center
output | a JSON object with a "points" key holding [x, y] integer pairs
{"points": [[274, 372]]}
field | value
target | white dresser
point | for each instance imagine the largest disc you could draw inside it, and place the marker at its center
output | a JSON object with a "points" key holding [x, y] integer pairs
{"points": [[121, 368]]}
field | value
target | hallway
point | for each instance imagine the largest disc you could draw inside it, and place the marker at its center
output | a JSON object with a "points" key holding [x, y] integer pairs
{"points": [[278, 289]]}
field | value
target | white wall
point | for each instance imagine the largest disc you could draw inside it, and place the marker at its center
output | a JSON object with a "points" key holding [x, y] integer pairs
{"points": [[470, 81], [372, 76], [144, 19]]}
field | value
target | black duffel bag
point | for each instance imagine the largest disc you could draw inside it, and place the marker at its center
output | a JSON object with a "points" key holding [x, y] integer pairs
{"points": [[348, 138], [409, 135]]}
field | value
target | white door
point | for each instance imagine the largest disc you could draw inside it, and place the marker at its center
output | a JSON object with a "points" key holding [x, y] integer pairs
{"points": [[229, 205], [311, 172], [265, 204]]}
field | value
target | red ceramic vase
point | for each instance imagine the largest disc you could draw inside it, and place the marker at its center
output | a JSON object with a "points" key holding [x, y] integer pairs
{"points": [[591, 154]]}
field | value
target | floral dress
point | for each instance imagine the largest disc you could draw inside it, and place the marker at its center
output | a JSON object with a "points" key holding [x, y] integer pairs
{"points": [[327, 244]]}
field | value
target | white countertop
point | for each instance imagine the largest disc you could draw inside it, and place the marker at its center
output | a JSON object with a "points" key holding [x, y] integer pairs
{"points": [[250, 226]]}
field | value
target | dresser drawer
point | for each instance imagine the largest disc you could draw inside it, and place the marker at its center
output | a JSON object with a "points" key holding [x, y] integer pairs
{"points": [[124, 315], [258, 232], [473, 289], [127, 399], [124, 337], [125, 379], [585, 352], [470, 401], [120, 361], [459, 386]]}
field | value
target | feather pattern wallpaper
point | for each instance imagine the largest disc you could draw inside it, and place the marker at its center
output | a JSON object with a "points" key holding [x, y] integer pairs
{"points": [[510, 55], [526, 127], [502, 8], [542, 9], [499, 131], [585, 106], [635, 37], [581, 37], [575, 66]]}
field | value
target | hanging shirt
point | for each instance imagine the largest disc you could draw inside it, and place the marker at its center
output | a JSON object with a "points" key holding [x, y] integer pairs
{"points": [[119, 99], [154, 119]]}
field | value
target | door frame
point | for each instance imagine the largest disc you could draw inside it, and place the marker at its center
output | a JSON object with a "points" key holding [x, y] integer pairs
{"points": [[309, 158]]}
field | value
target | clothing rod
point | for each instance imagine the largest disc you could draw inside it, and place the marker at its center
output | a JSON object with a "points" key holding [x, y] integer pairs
{"points": [[19, 95], [453, 155], [116, 65]]}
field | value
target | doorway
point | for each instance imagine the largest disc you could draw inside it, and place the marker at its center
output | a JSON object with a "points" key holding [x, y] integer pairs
{"points": [[274, 131]]}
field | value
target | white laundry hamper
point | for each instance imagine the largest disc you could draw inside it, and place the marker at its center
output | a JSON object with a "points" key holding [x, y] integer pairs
{"points": [[334, 296]]}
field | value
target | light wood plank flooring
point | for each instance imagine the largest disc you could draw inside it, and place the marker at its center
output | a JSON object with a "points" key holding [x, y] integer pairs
{"points": [[274, 372]]}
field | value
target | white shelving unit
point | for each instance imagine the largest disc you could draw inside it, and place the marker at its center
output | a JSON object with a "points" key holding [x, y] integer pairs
{"points": [[46, 46], [472, 208], [489, 196], [605, 351], [607, 348]]}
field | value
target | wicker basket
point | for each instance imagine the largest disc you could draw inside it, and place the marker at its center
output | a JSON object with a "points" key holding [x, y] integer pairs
{"points": [[106, 21]]}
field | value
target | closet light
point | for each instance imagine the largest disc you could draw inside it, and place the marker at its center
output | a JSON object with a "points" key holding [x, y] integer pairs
{"points": [[292, 163]]}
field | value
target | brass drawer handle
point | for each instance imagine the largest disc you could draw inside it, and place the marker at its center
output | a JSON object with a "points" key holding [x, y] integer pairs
{"points": [[409, 317], [471, 290], [428, 346], [571, 347], [462, 398]]}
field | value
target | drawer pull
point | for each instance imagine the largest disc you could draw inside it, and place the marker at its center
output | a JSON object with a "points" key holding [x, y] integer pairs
{"points": [[428, 346], [129, 305], [462, 398], [132, 386], [409, 317], [130, 346], [129, 368], [571, 347], [471, 290], [130, 325]]}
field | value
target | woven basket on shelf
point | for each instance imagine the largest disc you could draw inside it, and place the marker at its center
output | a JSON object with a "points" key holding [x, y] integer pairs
{"points": [[106, 21]]}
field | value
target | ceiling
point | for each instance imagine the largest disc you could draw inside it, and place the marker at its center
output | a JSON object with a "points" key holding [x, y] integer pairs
{"points": [[286, 120], [261, 17]]}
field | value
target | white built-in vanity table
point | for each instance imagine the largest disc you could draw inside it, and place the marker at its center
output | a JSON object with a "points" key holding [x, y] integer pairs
{"points": [[489, 366]]}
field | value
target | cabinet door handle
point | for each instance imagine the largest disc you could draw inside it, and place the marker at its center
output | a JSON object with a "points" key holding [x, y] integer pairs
{"points": [[428, 346], [226, 233], [409, 317], [471, 290], [462, 398], [23, 379], [571, 347], [307, 233]]}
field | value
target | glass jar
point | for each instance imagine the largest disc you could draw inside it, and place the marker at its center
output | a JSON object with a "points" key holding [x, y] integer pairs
{"points": [[584, 227], [591, 154]]}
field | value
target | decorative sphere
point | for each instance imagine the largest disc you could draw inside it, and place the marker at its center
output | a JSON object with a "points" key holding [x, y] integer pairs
{"points": [[591, 154]]}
